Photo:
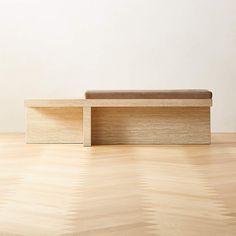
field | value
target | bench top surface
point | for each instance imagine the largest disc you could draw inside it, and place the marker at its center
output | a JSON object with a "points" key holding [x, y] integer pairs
{"points": [[149, 94], [118, 103]]}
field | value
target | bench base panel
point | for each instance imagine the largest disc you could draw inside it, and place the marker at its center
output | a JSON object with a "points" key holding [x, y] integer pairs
{"points": [[54, 125], [151, 125]]}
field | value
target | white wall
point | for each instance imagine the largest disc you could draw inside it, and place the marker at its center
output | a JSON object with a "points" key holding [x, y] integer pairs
{"points": [[60, 48]]}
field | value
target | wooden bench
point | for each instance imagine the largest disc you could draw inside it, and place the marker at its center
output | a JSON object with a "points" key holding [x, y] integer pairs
{"points": [[122, 117]]}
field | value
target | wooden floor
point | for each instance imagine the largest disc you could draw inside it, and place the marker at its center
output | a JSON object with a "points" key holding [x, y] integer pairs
{"points": [[70, 190]]}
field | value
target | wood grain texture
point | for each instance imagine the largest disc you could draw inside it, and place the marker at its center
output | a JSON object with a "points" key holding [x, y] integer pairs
{"points": [[174, 125], [54, 125], [118, 102], [87, 126], [68, 190], [54, 102]]}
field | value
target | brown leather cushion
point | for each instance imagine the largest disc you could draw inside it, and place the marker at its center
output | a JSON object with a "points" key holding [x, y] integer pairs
{"points": [[149, 94]]}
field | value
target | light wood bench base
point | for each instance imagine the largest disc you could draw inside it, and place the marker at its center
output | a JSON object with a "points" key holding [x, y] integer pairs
{"points": [[93, 122], [155, 125]]}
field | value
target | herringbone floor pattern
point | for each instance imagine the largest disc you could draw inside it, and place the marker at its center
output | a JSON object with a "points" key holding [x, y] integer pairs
{"points": [[69, 190]]}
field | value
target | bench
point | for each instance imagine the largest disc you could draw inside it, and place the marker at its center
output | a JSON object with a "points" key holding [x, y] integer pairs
{"points": [[122, 117]]}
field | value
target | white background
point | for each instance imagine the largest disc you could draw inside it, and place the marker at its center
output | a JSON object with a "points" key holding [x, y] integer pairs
{"points": [[60, 48]]}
